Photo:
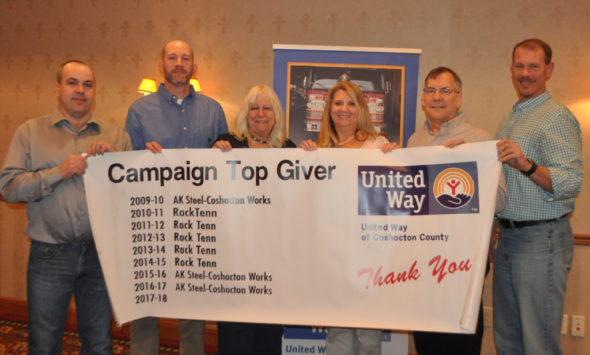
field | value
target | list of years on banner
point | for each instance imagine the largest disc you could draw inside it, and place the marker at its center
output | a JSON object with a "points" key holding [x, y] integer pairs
{"points": [[192, 234]]}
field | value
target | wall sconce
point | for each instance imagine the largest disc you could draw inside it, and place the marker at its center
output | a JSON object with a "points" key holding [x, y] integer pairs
{"points": [[147, 86], [195, 83]]}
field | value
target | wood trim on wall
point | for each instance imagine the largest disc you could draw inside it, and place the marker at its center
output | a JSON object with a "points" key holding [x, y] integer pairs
{"points": [[16, 310], [582, 239]]}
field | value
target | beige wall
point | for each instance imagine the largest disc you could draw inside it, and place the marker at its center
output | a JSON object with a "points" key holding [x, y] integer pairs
{"points": [[233, 41]]}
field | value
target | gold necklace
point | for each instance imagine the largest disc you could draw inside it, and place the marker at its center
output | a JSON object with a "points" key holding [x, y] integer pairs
{"points": [[339, 144], [259, 141]]}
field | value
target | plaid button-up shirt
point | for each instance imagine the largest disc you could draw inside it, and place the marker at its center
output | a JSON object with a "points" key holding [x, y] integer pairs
{"points": [[549, 134]]}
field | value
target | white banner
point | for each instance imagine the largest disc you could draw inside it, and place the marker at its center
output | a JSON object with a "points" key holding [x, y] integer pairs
{"points": [[335, 237]]}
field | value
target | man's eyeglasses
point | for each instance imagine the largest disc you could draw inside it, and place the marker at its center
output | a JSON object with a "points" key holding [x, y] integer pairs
{"points": [[444, 91]]}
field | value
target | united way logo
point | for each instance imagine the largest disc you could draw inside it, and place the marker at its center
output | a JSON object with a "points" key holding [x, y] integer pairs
{"points": [[453, 188], [450, 188]]}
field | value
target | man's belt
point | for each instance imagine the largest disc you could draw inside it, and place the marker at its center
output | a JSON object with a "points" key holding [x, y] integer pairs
{"points": [[507, 223]]}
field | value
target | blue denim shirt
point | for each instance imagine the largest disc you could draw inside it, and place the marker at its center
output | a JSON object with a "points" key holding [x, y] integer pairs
{"points": [[195, 123]]}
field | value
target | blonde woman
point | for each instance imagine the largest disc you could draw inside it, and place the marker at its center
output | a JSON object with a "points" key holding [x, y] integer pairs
{"points": [[260, 123], [346, 124]]}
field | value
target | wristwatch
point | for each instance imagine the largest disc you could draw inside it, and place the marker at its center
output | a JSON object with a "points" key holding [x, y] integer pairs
{"points": [[532, 170]]}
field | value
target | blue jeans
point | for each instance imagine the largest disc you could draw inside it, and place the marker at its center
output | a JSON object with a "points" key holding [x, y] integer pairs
{"points": [[235, 338], [56, 272], [531, 265], [145, 336]]}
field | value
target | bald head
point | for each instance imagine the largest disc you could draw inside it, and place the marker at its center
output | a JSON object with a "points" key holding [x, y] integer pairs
{"points": [[178, 66], [75, 61]]}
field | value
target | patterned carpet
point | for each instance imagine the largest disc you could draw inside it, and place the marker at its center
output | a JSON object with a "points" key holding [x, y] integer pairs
{"points": [[13, 341]]}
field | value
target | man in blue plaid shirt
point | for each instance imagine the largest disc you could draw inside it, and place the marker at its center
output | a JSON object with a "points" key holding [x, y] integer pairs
{"points": [[540, 148]]}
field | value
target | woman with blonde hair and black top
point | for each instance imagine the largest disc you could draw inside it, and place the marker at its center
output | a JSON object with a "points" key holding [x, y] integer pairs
{"points": [[260, 123]]}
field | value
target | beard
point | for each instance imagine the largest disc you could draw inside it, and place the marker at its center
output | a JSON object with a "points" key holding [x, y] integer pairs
{"points": [[170, 76]]}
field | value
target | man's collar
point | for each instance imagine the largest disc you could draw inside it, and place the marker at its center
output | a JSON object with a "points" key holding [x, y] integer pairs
{"points": [[530, 103], [168, 96], [58, 118], [447, 126]]}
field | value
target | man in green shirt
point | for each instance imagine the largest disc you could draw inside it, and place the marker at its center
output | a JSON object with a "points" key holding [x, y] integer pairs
{"points": [[540, 146]]}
